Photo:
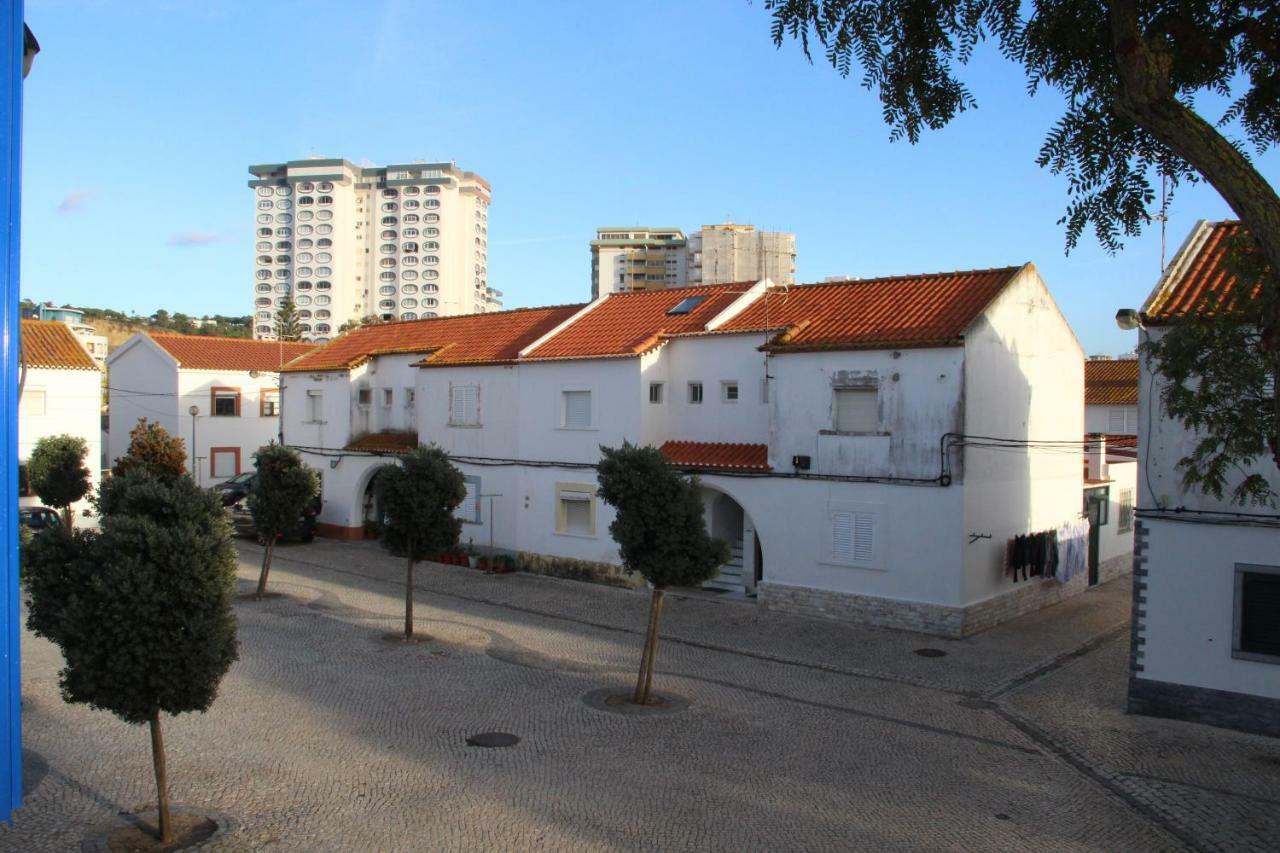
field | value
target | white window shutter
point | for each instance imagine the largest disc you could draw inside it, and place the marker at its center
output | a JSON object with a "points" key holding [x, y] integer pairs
{"points": [[1115, 421], [842, 536], [856, 410], [577, 409], [863, 537]]}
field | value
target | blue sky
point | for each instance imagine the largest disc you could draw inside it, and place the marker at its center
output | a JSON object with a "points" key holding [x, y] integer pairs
{"points": [[143, 116]]}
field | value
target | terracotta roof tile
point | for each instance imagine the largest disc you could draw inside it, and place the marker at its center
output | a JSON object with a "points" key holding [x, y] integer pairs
{"points": [[48, 343], [631, 323], [901, 311], [1197, 281], [203, 352], [716, 456], [385, 442], [466, 339], [1113, 383]]}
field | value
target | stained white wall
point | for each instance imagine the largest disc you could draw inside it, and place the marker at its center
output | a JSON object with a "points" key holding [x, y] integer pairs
{"points": [[712, 361], [1099, 418], [1113, 541], [72, 406], [143, 382], [249, 431], [1023, 379]]}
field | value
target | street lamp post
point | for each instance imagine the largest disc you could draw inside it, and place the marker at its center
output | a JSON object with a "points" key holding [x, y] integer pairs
{"points": [[195, 472]]}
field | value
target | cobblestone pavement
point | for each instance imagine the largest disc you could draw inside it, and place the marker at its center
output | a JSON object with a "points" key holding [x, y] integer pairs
{"points": [[799, 734]]}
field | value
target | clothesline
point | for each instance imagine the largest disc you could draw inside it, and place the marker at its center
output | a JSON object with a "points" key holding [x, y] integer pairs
{"points": [[1060, 553]]}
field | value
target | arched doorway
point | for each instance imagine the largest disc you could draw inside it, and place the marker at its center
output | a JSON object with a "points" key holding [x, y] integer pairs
{"points": [[371, 513], [727, 521]]}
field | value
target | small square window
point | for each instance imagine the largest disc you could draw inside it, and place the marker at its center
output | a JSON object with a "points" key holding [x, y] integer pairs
{"points": [[388, 396], [655, 392], [729, 391], [856, 410], [364, 396], [225, 402], [575, 509], [695, 392], [269, 402], [409, 397], [576, 410]]}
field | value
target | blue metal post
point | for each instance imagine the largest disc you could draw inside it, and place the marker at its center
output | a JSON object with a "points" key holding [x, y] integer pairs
{"points": [[11, 51]]}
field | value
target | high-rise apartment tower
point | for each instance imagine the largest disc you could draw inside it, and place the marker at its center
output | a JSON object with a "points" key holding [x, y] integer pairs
{"points": [[719, 254], [347, 242], [637, 259]]}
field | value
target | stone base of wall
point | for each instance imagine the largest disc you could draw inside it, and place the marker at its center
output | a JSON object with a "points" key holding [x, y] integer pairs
{"points": [[337, 531], [1240, 711], [954, 622]]}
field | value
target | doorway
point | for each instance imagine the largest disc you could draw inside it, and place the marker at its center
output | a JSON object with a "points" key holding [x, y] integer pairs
{"points": [[1096, 501]]}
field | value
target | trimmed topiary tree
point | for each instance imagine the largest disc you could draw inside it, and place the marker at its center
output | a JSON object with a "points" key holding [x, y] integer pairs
{"points": [[418, 499], [282, 490], [142, 609], [152, 448], [660, 531], [57, 473]]}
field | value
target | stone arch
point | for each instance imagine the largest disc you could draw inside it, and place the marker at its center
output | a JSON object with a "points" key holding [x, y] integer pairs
{"points": [[369, 506], [728, 519]]}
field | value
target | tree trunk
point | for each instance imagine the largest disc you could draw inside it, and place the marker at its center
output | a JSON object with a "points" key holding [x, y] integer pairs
{"points": [[1146, 97], [162, 782], [645, 680], [408, 599], [266, 567], [68, 517]]}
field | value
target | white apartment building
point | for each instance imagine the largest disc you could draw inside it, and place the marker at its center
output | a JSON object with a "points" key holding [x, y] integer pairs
{"points": [[346, 242], [842, 433], [725, 253], [61, 395], [1206, 612], [625, 259], [221, 396]]}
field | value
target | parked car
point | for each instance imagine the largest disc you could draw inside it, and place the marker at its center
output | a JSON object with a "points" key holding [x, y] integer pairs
{"points": [[237, 488], [303, 531], [38, 517]]}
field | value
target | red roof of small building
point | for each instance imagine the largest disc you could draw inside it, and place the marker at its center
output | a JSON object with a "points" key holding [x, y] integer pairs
{"points": [[48, 343], [465, 339], [631, 323], [1111, 382], [385, 442], [1198, 281], [205, 352], [716, 456], [899, 311]]}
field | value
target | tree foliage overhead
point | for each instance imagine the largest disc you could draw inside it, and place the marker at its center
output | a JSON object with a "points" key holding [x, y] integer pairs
{"points": [[660, 527], [56, 471], [153, 449], [418, 497], [1130, 72]]}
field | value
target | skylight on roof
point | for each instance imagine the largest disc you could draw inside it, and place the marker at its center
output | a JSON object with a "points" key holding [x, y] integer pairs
{"points": [[684, 306]]}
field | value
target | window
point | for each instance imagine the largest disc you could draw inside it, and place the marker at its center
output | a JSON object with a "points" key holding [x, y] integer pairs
{"points": [[305, 200], [324, 199], [575, 410], [364, 396], [304, 285], [695, 393], [464, 405], [852, 537], [325, 187], [856, 410], [224, 402], [409, 396], [684, 306], [269, 403], [324, 229], [655, 392], [315, 407], [322, 328], [388, 397], [324, 285], [1257, 613], [1123, 421], [729, 391], [224, 461], [264, 190], [576, 509], [266, 205], [469, 510], [1125, 520], [33, 402]]}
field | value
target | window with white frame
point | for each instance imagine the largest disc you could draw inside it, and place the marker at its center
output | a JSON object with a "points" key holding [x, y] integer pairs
{"points": [[856, 410], [729, 391], [575, 408], [655, 392], [464, 405], [33, 402], [315, 407], [576, 509], [469, 510], [269, 402], [695, 393], [1125, 512], [852, 535]]}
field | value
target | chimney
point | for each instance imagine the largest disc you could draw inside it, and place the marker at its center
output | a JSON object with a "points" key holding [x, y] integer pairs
{"points": [[1095, 456]]}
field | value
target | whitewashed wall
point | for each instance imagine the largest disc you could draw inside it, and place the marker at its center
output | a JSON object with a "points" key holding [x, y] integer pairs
{"points": [[72, 406], [1098, 418], [247, 432], [144, 384]]}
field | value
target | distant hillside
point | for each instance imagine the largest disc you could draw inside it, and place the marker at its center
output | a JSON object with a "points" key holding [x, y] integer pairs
{"points": [[119, 327]]}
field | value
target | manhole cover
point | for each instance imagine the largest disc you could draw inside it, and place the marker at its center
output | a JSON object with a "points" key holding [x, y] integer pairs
{"points": [[493, 740], [931, 653]]}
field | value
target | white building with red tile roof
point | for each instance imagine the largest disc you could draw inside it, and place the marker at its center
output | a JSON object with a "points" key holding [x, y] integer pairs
{"points": [[867, 448], [232, 384], [61, 394], [1206, 626]]}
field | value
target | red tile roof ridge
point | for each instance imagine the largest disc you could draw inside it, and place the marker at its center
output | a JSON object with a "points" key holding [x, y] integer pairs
{"points": [[717, 455], [51, 344], [880, 278]]}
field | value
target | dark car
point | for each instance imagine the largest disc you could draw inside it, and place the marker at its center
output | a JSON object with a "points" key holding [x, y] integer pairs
{"points": [[237, 488], [38, 517], [303, 531]]}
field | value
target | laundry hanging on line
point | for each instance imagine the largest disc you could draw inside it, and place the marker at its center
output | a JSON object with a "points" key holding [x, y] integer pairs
{"points": [[1073, 549], [1032, 555]]}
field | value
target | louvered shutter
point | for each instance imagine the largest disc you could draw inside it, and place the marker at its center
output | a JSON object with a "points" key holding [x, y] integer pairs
{"points": [[577, 409], [863, 537], [842, 536], [1115, 421]]}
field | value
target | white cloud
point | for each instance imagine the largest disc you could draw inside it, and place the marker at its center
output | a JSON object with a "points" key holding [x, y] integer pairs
{"points": [[75, 200], [194, 238]]}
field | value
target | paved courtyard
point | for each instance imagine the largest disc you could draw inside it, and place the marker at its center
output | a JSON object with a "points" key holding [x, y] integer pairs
{"points": [[799, 734]]}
